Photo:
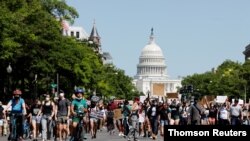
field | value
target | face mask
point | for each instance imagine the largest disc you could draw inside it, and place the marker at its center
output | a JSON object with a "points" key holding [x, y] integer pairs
{"points": [[78, 98], [16, 97], [47, 99]]}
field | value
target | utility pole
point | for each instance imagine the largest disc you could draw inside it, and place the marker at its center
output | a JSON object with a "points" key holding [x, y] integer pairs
{"points": [[57, 81]]}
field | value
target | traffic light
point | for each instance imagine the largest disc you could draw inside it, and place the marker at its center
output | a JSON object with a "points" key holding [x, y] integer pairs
{"points": [[190, 88], [182, 91]]}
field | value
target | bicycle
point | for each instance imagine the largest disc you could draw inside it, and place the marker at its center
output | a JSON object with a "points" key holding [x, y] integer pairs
{"points": [[80, 130], [14, 125], [133, 131], [26, 129]]}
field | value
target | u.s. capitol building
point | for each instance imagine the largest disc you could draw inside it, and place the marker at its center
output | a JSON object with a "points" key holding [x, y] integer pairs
{"points": [[151, 77]]}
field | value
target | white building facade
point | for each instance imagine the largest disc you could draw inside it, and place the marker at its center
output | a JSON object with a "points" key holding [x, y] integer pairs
{"points": [[77, 32], [151, 77]]}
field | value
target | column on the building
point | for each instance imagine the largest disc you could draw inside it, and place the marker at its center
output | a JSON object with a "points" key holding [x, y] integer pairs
{"points": [[167, 87]]}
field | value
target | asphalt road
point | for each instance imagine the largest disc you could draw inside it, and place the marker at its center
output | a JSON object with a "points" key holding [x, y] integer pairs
{"points": [[101, 136]]}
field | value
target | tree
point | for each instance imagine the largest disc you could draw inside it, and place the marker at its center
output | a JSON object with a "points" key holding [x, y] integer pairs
{"points": [[32, 41], [230, 79]]}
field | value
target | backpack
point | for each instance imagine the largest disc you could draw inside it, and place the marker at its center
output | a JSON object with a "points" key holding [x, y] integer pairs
{"points": [[126, 111]]}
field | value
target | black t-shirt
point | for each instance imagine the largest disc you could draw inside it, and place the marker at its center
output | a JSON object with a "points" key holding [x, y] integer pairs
{"points": [[62, 107], [164, 113], [1, 112], [174, 110], [35, 109], [212, 113]]}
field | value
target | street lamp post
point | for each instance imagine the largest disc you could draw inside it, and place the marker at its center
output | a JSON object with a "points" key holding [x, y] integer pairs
{"points": [[9, 71], [245, 93], [35, 85]]}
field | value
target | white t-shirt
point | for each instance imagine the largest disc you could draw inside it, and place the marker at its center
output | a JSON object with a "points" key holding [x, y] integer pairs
{"points": [[223, 113], [153, 111]]}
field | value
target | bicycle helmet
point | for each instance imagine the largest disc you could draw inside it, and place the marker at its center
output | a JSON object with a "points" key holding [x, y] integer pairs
{"points": [[95, 98], [79, 90], [17, 92]]}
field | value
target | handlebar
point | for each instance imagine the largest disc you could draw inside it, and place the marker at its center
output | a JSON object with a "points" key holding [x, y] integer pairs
{"points": [[80, 114]]}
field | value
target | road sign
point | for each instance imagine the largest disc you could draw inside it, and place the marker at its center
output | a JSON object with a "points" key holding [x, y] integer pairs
{"points": [[53, 85]]}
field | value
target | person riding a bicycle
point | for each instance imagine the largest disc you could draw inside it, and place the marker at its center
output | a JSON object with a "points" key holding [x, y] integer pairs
{"points": [[18, 111], [78, 106]]}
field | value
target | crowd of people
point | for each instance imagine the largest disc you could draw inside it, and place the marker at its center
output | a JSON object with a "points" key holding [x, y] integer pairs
{"points": [[56, 118]]}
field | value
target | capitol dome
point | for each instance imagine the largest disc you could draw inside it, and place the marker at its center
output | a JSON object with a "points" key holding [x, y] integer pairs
{"points": [[151, 61], [151, 49]]}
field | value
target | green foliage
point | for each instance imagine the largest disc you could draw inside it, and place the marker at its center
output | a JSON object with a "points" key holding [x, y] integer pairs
{"points": [[31, 40], [231, 79]]}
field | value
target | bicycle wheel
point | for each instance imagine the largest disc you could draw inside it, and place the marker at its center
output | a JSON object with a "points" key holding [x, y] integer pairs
{"points": [[80, 133], [13, 136], [26, 133]]}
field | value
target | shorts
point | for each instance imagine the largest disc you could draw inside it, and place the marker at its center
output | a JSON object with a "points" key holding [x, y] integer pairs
{"points": [[164, 122], [76, 119], [36, 119], [62, 120], [1, 122], [93, 119], [175, 117]]}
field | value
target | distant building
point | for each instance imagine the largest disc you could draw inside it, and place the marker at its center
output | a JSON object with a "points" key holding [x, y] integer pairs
{"points": [[94, 39], [246, 52], [74, 31], [151, 77]]}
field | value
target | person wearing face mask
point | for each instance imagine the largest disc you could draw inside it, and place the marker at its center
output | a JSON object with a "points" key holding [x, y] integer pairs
{"points": [[47, 110], [78, 105], [18, 111], [62, 113], [35, 120]]}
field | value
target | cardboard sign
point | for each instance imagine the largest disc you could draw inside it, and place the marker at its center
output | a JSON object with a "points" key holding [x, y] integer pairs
{"points": [[117, 114], [142, 98], [221, 99], [158, 89], [98, 115]]}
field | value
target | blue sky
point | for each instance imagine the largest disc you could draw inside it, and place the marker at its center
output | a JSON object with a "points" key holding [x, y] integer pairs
{"points": [[194, 35]]}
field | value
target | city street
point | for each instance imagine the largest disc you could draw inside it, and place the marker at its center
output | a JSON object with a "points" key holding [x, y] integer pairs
{"points": [[102, 136]]}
